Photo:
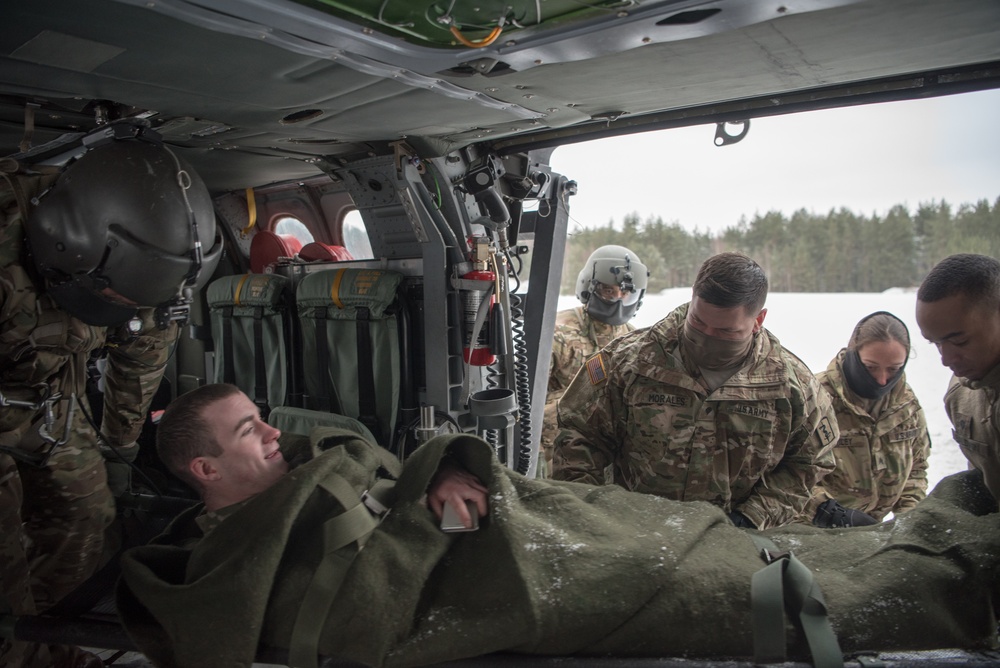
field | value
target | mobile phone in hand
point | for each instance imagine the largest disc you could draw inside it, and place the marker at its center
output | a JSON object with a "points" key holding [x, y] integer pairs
{"points": [[451, 522]]}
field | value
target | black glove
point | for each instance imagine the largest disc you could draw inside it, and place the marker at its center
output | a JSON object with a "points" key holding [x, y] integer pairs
{"points": [[832, 515], [741, 520]]}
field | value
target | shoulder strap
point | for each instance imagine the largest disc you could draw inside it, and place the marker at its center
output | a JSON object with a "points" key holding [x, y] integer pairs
{"points": [[343, 537], [805, 606]]}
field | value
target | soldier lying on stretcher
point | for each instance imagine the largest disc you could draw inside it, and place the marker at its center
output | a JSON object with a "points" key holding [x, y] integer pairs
{"points": [[556, 568]]}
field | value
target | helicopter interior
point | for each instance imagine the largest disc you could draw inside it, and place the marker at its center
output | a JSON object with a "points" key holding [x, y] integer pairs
{"points": [[402, 147]]}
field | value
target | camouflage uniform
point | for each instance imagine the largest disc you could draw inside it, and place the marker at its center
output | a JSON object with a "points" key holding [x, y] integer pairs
{"points": [[758, 444], [973, 406], [52, 517], [577, 336], [881, 462]]}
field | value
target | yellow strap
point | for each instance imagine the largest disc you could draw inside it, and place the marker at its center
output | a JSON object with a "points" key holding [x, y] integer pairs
{"points": [[239, 289], [335, 289], [251, 211]]}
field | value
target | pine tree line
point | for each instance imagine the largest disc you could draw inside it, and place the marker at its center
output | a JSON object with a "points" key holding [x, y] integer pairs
{"points": [[841, 251]]}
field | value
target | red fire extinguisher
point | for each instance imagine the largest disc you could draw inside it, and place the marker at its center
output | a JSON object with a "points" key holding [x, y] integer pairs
{"points": [[477, 345]]}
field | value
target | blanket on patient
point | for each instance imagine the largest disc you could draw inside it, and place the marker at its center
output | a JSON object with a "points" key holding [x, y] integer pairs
{"points": [[557, 568]]}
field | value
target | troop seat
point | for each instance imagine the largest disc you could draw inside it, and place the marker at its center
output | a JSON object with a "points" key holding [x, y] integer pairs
{"points": [[348, 320], [267, 247], [316, 251], [294, 420], [253, 335]]}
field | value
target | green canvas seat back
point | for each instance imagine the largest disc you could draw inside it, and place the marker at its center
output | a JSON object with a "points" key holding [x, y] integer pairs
{"points": [[350, 337], [251, 332], [294, 420]]}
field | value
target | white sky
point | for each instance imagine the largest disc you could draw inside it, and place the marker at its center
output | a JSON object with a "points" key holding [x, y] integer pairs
{"points": [[865, 158]]}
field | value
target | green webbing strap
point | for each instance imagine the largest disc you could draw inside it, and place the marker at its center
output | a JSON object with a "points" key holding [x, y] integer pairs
{"points": [[804, 601], [343, 537], [228, 367], [260, 366], [326, 396], [367, 413]]}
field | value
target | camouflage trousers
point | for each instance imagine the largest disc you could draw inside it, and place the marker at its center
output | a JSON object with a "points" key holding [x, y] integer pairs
{"points": [[52, 523]]}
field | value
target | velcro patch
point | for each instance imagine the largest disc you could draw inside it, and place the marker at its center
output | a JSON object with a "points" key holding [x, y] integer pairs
{"points": [[751, 410], [903, 435], [597, 369], [825, 431]]}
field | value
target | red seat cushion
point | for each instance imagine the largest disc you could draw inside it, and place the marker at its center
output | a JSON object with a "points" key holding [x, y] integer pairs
{"points": [[317, 251], [266, 247]]}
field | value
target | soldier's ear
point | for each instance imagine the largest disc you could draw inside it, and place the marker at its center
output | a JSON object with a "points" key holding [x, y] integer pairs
{"points": [[759, 320], [203, 469]]}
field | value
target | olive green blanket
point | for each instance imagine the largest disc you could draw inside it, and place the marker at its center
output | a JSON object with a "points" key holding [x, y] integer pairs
{"points": [[557, 568]]}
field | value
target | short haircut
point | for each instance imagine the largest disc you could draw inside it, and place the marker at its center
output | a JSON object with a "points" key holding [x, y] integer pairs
{"points": [[977, 277], [185, 433], [727, 280], [880, 326]]}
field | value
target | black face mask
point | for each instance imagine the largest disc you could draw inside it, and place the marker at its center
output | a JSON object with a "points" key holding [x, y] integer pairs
{"points": [[613, 313], [861, 382]]}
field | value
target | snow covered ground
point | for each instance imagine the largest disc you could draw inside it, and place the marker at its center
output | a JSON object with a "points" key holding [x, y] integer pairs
{"points": [[815, 326]]}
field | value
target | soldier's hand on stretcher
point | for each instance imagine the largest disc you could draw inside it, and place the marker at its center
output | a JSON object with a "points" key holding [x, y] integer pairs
{"points": [[456, 486]]}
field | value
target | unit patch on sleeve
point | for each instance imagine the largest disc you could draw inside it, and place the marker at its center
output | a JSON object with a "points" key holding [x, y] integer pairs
{"points": [[825, 431], [597, 369]]}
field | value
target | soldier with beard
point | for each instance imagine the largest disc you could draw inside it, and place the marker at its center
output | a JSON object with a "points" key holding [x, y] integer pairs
{"points": [[705, 405]]}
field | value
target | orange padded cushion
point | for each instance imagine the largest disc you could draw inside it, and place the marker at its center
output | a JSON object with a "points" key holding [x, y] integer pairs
{"points": [[266, 247], [316, 251]]}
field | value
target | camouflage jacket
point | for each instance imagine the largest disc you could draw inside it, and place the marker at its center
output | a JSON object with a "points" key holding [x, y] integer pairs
{"points": [[758, 444], [44, 350], [973, 406], [881, 463], [577, 336]]}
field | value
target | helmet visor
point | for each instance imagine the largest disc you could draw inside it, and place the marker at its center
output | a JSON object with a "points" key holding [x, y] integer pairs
{"points": [[627, 275]]}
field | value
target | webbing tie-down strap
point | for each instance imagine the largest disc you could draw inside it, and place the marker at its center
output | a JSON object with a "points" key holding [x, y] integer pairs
{"points": [[343, 537], [786, 584]]}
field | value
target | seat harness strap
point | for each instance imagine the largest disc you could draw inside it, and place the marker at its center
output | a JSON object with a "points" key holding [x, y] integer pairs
{"points": [[367, 411], [786, 584], [343, 537]]}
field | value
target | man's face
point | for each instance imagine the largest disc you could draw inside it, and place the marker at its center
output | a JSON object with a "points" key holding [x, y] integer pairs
{"points": [[729, 324], [608, 293], [250, 461], [966, 334]]}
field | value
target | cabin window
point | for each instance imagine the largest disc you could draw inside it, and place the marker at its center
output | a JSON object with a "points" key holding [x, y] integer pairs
{"points": [[355, 236], [286, 225]]}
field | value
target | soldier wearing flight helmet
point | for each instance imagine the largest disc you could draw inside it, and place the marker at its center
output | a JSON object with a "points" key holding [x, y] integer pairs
{"points": [[102, 253], [610, 286]]}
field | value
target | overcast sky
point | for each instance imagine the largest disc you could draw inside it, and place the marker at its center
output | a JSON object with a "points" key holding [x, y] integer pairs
{"points": [[865, 158]]}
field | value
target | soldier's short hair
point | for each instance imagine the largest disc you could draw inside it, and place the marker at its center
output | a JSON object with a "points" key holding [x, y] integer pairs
{"points": [[727, 280], [879, 326], [184, 432], [975, 276]]}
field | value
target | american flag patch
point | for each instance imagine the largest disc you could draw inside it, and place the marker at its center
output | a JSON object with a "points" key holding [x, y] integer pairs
{"points": [[596, 369]]}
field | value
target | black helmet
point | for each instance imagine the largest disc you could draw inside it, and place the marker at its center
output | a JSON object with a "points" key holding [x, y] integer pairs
{"points": [[619, 267], [123, 227]]}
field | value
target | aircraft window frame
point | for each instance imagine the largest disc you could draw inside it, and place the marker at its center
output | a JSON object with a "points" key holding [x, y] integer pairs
{"points": [[354, 235], [295, 227]]}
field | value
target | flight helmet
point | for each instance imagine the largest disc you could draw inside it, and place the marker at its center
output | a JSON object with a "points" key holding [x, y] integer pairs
{"points": [[615, 266], [124, 227]]}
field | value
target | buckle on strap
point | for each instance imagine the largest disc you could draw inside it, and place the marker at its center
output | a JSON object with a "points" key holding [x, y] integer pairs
{"points": [[770, 556], [379, 497], [375, 507]]}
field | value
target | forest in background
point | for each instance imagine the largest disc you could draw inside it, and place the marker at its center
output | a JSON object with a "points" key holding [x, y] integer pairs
{"points": [[840, 251]]}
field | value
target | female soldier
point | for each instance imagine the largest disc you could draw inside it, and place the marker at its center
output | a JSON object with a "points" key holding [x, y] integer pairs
{"points": [[883, 447]]}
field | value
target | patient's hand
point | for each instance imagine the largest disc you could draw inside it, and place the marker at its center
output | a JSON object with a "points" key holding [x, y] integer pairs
{"points": [[456, 486]]}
